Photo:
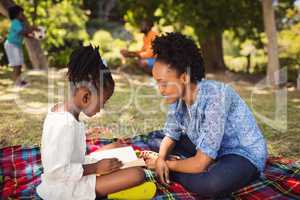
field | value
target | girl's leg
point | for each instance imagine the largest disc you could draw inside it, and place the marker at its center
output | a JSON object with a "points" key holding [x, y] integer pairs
{"points": [[228, 174], [119, 180], [17, 74]]}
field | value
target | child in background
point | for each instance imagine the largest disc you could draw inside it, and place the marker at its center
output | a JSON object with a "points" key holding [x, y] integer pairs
{"points": [[145, 56], [63, 149], [13, 44]]}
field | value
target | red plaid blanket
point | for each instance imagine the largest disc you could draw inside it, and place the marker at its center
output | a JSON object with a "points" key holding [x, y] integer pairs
{"points": [[20, 170]]}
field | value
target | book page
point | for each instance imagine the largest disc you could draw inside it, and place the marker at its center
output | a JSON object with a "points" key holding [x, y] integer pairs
{"points": [[124, 154]]}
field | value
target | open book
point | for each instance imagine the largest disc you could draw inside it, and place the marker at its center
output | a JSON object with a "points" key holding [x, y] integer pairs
{"points": [[125, 154]]}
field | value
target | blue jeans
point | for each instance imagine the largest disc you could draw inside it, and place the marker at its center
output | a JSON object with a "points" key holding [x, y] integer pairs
{"points": [[229, 173], [150, 63]]}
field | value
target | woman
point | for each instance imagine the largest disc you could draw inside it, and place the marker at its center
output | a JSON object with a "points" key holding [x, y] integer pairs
{"points": [[208, 124]]}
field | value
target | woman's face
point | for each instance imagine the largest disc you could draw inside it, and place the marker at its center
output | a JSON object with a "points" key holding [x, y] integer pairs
{"points": [[170, 84]]}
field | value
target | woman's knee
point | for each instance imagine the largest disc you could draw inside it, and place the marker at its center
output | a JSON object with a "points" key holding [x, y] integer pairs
{"points": [[205, 186], [213, 188]]}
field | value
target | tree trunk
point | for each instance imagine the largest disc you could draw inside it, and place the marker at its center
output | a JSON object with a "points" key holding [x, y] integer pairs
{"points": [[35, 52], [212, 51], [3, 7], [298, 80], [108, 6], [248, 63], [270, 29]]}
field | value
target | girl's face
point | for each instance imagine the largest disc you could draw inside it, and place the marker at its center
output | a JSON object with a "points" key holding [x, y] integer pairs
{"points": [[92, 102], [170, 84]]}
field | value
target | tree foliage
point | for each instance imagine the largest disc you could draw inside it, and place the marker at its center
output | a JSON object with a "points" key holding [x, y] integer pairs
{"points": [[64, 22]]}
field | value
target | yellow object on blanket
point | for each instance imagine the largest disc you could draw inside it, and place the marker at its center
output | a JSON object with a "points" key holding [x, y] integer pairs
{"points": [[145, 191]]}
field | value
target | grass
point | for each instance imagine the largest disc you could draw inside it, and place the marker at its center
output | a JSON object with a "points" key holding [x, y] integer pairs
{"points": [[135, 108]]}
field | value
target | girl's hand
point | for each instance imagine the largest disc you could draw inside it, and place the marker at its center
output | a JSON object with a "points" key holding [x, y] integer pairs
{"points": [[162, 170], [107, 166]]}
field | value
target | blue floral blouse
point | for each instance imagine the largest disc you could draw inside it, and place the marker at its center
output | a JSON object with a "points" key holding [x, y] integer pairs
{"points": [[219, 122]]}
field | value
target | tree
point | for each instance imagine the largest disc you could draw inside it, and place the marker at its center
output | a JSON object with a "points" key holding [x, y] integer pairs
{"points": [[289, 44], [271, 31], [135, 11], [64, 22], [209, 20], [35, 52]]}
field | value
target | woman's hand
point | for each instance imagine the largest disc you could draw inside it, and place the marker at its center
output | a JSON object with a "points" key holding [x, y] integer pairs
{"points": [[151, 160], [150, 163], [162, 170], [107, 166]]}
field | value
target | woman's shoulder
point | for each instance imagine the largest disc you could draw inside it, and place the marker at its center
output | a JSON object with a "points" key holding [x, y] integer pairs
{"points": [[211, 88], [211, 85]]}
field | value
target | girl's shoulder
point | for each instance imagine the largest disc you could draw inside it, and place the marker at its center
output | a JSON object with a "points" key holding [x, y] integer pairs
{"points": [[16, 22], [61, 119], [61, 124]]}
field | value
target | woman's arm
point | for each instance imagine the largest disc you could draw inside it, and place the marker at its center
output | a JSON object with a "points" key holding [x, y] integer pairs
{"points": [[196, 164], [166, 146], [161, 166]]}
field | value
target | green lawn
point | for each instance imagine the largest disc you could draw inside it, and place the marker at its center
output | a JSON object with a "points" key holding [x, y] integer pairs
{"points": [[135, 108]]}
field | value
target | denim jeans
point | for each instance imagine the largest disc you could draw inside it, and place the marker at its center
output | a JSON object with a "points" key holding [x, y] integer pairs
{"points": [[229, 173]]}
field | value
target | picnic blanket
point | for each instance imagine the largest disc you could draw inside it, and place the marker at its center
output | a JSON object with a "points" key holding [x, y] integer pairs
{"points": [[20, 170]]}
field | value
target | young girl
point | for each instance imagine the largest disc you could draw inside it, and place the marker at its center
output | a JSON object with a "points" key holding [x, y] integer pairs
{"points": [[13, 45], [208, 124], [66, 176]]}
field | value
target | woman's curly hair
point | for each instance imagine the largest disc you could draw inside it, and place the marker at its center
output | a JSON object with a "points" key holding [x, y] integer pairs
{"points": [[181, 53]]}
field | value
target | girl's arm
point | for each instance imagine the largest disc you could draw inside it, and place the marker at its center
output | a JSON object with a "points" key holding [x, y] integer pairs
{"points": [[27, 27], [102, 167], [196, 164], [89, 169], [28, 30]]}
